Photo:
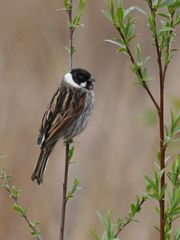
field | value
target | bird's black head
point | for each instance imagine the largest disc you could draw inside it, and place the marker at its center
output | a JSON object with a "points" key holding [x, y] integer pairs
{"points": [[82, 78]]}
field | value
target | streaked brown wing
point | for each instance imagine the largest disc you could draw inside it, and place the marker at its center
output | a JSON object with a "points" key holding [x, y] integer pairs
{"points": [[48, 117], [66, 105]]}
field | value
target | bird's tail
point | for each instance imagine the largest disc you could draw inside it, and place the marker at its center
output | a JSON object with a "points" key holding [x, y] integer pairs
{"points": [[41, 165]]}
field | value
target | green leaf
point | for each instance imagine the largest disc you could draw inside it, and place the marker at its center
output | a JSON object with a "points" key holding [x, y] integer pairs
{"points": [[120, 16], [138, 52], [166, 16], [151, 21], [74, 189], [107, 15], [95, 235], [19, 209], [120, 223], [67, 5], [76, 20], [166, 3], [131, 9], [35, 234], [165, 29], [163, 190], [112, 11], [177, 235], [117, 42], [14, 192], [108, 226], [71, 152]]}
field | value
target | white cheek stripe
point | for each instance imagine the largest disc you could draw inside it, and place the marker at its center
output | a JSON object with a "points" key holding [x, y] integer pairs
{"points": [[68, 79], [83, 84]]}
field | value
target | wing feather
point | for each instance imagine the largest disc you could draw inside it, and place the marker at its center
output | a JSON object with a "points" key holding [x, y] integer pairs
{"points": [[66, 106]]}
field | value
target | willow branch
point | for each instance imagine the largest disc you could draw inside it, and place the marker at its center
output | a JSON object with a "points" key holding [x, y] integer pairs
{"points": [[161, 122], [8, 188], [132, 59], [71, 31], [65, 183], [64, 199], [129, 220]]}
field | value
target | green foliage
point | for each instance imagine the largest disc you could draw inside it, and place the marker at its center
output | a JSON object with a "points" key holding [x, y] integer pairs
{"points": [[36, 234], [162, 19], [177, 235], [139, 67], [124, 23], [74, 189], [71, 152], [14, 193], [174, 173], [173, 207], [135, 208], [67, 5], [172, 132], [109, 227], [153, 189], [169, 19], [19, 209], [76, 20], [111, 230]]}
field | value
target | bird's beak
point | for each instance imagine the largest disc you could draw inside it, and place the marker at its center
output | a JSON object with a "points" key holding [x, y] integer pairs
{"points": [[92, 80]]}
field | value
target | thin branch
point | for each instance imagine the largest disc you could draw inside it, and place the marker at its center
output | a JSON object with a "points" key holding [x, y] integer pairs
{"points": [[8, 188], [129, 220], [71, 31], [161, 122], [65, 183], [64, 200], [145, 86]]}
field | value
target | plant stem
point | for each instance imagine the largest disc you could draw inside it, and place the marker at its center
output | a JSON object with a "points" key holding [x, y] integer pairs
{"points": [[145, 86], [71, 31], [129, 220], [161, 123], [8, 188], [161, 135], [162, 159], [66, 169], [162, 75], [64, 199]]}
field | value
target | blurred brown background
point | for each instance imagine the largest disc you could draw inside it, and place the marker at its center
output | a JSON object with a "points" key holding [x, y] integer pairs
{"points": [[112, 154]]}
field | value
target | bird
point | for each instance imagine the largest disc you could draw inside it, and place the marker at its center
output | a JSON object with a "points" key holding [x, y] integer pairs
{"points": [[66, 116]]}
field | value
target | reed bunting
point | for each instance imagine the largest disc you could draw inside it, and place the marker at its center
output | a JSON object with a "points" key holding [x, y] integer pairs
{"points": [[66, 116]]}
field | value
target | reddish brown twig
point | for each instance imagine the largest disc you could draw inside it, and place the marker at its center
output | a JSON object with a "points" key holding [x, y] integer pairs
{"points": [[129, 220], [145, 86], [64, 199], [65, 183], [8, 188]]}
